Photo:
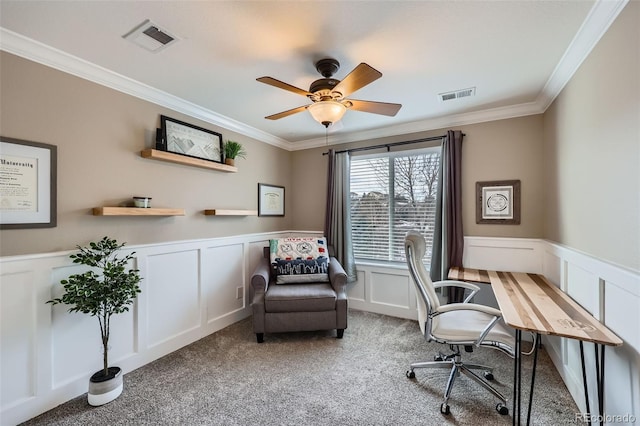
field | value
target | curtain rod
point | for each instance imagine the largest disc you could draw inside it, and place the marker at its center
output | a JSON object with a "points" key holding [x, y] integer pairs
{"points": [[389, 145]]}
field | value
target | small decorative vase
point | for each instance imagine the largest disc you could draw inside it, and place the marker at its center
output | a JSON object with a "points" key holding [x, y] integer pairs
{"points": [[230, 161], [105, 389]]}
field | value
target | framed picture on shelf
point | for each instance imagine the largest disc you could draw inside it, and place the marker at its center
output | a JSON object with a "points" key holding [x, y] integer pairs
{"points": [[28, 189], [270, 200], [498, 202], [186, 139]]}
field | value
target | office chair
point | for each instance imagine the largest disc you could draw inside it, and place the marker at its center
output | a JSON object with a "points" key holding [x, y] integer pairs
{"points": [[458, 324]]}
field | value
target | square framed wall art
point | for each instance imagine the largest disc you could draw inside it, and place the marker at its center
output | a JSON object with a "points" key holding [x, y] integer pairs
{"points": [[498, 202]]}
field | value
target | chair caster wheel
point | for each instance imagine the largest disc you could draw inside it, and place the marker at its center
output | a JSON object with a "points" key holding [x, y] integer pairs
{"points": [[410, 374], [488, 375], [444, 409], [437, 358], [501, 409]]}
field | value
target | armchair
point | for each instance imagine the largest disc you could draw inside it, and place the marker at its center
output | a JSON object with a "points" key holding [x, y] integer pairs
{"points": [[299, 306], [458, 324]]}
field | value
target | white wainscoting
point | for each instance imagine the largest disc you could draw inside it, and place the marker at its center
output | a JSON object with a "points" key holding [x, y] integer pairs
{"points": [[189, 290]]}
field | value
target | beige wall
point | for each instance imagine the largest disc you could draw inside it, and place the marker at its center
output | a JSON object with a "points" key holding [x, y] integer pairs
{"points": [[579, 163], [99, 133], [504, 149], [592, 151]]}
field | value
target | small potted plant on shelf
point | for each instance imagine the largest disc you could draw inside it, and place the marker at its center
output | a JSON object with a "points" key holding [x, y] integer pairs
{"points": [[102, 295], [232, 150]]}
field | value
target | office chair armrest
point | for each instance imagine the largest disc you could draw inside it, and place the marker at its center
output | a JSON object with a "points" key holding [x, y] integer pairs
{"points": [[452, 307], [469, 307], [454, 283]]}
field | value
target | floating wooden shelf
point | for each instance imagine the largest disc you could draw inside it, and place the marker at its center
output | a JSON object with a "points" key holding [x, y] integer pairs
{"points": [[170, 157], [221, 212], [135, 211]]}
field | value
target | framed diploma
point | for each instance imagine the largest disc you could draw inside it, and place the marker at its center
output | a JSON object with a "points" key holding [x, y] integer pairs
{"points": [[498, 202], [28, 173], [270, 200]]}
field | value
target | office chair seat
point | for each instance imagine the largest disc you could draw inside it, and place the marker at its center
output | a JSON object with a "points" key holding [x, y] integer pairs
{"points": [[467, 326]]}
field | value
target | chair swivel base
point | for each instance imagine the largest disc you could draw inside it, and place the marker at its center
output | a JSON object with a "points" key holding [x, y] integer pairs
{"points": [[455, 364]]}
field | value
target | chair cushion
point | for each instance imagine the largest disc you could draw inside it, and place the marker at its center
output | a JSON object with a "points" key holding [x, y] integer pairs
{"points": [[300, 298], [299, 259], [467, 325]]}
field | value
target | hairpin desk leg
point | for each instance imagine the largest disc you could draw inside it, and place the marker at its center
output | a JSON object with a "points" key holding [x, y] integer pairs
{"points": [[517, 376], [533, 375]]}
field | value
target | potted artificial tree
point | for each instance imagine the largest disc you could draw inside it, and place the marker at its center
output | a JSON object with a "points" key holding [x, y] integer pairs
{"points": [[102, 295], [232, 150]]}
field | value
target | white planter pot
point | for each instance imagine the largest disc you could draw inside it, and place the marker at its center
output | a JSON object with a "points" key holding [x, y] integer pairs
{"points": [[103, 390]]}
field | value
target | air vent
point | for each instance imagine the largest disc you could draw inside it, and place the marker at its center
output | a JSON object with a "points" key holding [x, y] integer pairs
{"points": [[457, 94], [150, 37]]}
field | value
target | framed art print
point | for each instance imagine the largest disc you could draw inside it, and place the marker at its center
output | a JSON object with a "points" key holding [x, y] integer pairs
{"points": [[270, 200], [498, 202], [28, 172], [186, 139]]}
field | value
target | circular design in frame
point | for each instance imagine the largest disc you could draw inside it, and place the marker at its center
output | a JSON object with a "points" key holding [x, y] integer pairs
{"points": [[497, 202]]}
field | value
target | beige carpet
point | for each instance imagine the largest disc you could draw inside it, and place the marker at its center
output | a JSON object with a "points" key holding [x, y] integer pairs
{"points": [[314, 379]]}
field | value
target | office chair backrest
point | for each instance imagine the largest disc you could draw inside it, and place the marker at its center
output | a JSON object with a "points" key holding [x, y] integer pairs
{"points": [[414, 248]]}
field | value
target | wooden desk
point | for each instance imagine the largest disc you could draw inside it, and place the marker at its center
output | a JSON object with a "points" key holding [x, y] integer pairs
{"points": [[529, 302]]}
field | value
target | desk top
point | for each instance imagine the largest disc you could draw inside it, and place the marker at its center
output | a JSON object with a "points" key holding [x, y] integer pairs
{"points": [[530, 302]]}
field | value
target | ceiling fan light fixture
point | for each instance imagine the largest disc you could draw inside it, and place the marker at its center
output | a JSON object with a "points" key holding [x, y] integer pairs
{"points": [[327, 112]]}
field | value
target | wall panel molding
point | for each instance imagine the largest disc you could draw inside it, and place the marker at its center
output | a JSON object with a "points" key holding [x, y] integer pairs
{"points": [[47, 355]]}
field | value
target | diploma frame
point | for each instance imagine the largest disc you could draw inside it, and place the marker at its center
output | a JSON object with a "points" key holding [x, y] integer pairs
{"points": [[16, 154], [270, 200]]}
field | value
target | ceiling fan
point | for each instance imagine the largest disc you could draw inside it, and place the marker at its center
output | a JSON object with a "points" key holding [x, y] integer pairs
{"points": [[329, 95]]}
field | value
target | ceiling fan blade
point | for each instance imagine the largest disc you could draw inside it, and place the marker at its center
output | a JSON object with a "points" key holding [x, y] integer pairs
{"points": [[383, 108], [287, 113], [282, 85], [361, 75]]}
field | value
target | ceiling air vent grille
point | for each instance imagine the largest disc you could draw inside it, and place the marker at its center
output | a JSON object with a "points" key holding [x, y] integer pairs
{"points": [[150, 37], [457, 94]]}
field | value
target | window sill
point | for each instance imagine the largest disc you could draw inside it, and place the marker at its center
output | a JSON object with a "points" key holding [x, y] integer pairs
{"points": [[388, 265]]}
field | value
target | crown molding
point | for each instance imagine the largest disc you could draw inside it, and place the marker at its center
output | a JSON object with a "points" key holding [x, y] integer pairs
{"points": [[493, 114], [46, 55], [595, 25], [598, 21]]}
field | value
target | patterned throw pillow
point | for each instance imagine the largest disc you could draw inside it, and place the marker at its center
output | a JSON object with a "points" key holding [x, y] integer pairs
{"points": [[299, 259]]}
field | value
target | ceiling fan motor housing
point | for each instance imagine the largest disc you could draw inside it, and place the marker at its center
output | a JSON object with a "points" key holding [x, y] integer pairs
{"points": [[323, 84]]}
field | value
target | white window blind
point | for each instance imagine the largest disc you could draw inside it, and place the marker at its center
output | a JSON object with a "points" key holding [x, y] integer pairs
{"points": [[392, 193]]}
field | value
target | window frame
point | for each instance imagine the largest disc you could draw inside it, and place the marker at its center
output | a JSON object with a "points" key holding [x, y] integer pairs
{"points": [[435, 149]]}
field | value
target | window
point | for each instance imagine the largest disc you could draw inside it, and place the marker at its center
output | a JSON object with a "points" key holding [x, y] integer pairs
{"points": [[392, 193]]}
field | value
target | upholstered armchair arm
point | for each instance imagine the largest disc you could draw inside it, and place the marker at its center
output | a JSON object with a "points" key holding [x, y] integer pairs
{"points": [[259, 285], [338, 280], [260, 278], [337, 276]]}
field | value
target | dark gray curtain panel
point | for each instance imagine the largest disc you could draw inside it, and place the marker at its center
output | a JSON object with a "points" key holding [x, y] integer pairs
{"points": [[337, 225], [448, 239]]}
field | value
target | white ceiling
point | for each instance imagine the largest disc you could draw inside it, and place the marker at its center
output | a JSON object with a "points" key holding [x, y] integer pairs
{"points": [[518, 55]]}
